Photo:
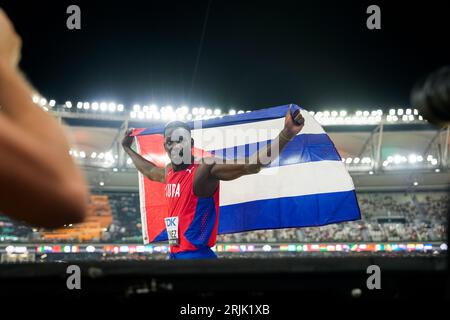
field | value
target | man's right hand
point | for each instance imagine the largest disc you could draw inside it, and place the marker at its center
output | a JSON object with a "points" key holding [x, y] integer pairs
{"points": [[127, 140], [10, 42]]}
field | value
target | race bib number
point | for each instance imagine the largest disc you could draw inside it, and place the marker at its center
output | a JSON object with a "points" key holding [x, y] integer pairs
{"points": [[172, 230]]}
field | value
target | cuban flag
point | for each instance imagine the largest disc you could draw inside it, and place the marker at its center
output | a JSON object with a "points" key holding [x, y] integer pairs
{"points": [[307, 185]]}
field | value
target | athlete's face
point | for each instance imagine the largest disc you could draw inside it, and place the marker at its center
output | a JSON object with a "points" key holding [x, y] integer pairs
{"points": [[178, 144]]}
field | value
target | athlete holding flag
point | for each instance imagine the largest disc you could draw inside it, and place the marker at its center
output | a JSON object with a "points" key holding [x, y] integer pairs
{"points": [[192, 185]]}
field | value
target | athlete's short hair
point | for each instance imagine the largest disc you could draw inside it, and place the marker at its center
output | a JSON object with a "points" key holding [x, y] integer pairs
{"points": [[176, 124]]}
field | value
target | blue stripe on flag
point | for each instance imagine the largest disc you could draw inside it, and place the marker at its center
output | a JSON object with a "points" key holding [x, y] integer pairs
{"points": [[254, 116], [299, 211], [303, 148]]}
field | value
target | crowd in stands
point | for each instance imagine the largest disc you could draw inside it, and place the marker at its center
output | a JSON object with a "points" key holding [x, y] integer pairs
{"points": [[393, 216]]}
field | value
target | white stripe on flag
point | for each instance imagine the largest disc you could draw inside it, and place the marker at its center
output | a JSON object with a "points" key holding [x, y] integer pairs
{"points": [[287, 181], [215, 138]]}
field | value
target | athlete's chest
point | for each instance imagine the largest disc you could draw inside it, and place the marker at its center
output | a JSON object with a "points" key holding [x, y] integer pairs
{"points": [[179, 184]]}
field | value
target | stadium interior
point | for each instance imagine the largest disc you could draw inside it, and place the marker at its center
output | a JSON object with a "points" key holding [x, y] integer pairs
{"points": [[398, 162]]}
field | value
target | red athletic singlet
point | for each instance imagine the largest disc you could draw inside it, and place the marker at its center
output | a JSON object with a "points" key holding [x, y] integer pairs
{"points": [[197, 217]]}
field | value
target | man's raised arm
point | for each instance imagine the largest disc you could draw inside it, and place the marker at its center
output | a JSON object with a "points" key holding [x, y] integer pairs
{"points": [[264, 157], [147, 168]]}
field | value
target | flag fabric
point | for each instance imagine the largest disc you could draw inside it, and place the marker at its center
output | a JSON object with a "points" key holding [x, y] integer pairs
{"points": [[308, 184]]}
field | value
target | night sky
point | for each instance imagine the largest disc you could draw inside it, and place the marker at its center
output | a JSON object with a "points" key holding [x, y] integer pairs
{"points": [[254, 54]]}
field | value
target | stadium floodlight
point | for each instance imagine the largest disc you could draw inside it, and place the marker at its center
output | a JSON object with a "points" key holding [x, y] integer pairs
{"points": [[312, 113], [429, 157], [370, 172], [415, 183], [374, 113], [101, 155], [356, 160], [366, 113], [94, 155], [120, 107], [395, 118], [157, 115], [148, 115], [52, 103], [103, 106], [240, 112], [379, 112], [86, 106], [411, 117], [400, 112], [145, 108], [420, 118], [412, 158], [112, 107], [45, 109], [434, 162], [129, 161], [389, 118], [140, 115], [326, 113], [217, 112], [79, 105], [94, 106], [385, 163], [358, 113], [35, 99], [419, 158], [136, 108], [343, 113], [109, 156], [201, 111], [195, 111], [397, 159], [101, 183], [82, 154], [437, 170], [392, 112], [68, 104], [232, 112], [115, 169], [133, 115], [334, 114], [209, 112], [43, 102], [390, 159], [405, 117], [348, 160], [416, 112], [189, 117], [408, 112]]}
